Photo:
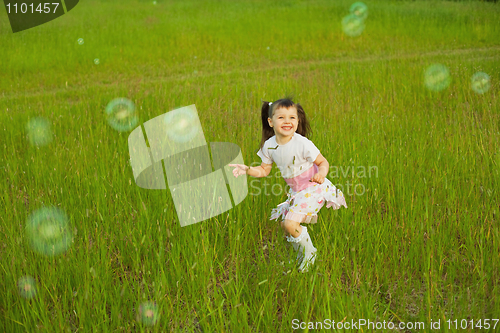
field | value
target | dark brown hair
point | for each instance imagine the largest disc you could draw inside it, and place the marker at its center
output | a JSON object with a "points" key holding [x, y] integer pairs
{"points": [[267, 112]]}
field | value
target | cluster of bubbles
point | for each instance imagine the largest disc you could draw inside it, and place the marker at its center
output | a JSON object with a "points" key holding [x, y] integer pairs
{"points": [[354, 23], [437, 78], [80, 42], [27, 287], [48, 231], [181, 125], [148, 313], [39, 131], [121, 114]]}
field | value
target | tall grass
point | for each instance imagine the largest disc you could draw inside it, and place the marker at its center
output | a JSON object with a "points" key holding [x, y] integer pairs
{"points": [[419, 241]]}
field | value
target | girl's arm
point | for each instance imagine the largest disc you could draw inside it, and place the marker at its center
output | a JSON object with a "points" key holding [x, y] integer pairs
{"points": [[323, 168], [260, 171]]}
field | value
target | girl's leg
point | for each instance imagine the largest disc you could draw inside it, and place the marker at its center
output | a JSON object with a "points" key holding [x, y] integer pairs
{"points": [[295, 229], [291, 227], [298, 235], [301, 242]]}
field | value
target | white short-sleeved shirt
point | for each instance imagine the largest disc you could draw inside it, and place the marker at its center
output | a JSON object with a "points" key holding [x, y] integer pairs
{"points": [[293, 158]]}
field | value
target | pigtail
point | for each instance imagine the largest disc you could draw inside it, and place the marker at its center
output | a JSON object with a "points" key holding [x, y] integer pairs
{"points": [[303, 128], [267, 131]]}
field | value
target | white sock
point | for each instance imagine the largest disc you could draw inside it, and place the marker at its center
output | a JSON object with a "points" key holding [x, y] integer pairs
{"points": [[304, 246], [300, 254]]}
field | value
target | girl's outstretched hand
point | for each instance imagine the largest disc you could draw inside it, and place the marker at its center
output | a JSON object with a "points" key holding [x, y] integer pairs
{"points": [[318, 178], [239, 170]]}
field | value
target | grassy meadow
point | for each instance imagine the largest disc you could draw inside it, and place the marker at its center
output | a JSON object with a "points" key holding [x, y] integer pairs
{"points": [[419, 242]]}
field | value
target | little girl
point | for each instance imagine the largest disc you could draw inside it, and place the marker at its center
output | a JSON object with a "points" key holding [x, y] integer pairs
{"points": [[284, 142]]}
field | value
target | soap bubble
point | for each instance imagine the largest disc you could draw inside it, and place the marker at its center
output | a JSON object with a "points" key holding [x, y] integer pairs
{"points": [[480, 82], [352, 25], [48, 231], [27, 287], [437, 77], [359, 9], [121, 114], [148, 313], [154, 2], [96, 61], [181, 125], [80, 41], [39, 131]]}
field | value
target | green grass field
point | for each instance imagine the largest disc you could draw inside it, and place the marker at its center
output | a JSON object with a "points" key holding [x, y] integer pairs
{"points": [[418, 243]]}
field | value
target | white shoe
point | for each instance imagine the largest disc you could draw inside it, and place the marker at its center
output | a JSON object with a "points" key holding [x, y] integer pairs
{"points": [[306, 255], [307, 262]]}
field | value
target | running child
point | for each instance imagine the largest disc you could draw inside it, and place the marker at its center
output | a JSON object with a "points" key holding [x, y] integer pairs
{"points": [[284, 141]]}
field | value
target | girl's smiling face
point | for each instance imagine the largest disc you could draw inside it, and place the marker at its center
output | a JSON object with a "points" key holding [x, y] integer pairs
{"points": [[285, 123]]}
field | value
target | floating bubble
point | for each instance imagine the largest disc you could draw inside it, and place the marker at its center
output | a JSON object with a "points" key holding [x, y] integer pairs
{"points": [[352, 25], [359, 9], [48, 231], [268, 48], [121, 114], [154, 2], [148, 313], [437, 77], [181, 125], [27, 287], [480, 82], [80, 41], [39, 131], [96, 61]]}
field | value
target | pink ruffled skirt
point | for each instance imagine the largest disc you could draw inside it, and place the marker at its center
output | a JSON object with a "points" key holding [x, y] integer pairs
{"points": [[303, 206]]}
